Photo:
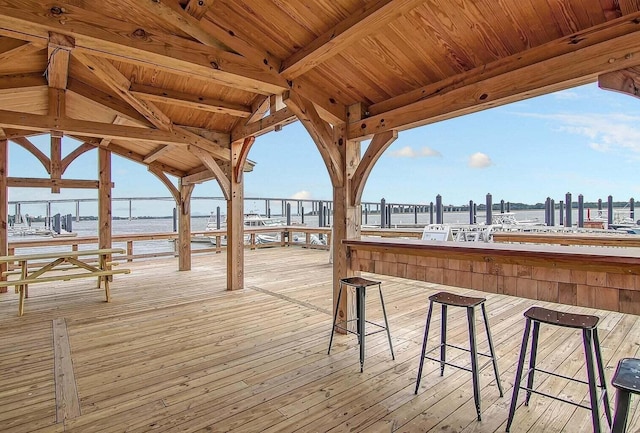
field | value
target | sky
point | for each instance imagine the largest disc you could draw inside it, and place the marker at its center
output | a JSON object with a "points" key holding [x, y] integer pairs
{"points": [[584, 141]]}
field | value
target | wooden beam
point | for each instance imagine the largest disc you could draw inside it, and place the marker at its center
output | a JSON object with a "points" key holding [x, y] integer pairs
{"points": [[104, 199], [56, 160], [19, 81], [178, 136], [264, 125], [366, 21], [235, 225], [211, 164], [51, 183], [11, 48], [156, 153], [626, 81], [184, 227], [583, 57], [120, 40], [376, 148], [198, 8], [30, 147], [328, 107], [59, 51], [321, 133], [198, 177], [212, 105], [171, 13], [4, 205], [67, 160]]}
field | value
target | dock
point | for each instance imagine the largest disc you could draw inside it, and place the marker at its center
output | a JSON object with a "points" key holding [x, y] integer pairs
{"points": [[175, 351]]}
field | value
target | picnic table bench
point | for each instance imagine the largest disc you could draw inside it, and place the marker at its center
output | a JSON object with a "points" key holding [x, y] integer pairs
{"points": [[69, 264]]}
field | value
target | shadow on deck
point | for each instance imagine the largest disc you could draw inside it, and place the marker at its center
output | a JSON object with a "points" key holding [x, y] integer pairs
{"points": [[174, 351]]}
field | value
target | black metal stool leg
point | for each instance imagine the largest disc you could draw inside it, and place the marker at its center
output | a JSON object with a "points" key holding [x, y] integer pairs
{"points": [[518, 379], [360, 303], [602, 385], [588, 352], [471, 318], [623, 398], [532, 360], [443, 339], [335, 317], [424, 346], [491, 350], [386, 322]]}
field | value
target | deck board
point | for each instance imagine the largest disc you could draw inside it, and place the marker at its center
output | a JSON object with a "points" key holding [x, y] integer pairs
{"points": [[174, 351]]}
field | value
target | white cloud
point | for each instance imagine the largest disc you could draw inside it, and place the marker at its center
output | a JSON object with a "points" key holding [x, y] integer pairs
{"points": [[479, 160], [606, 132], [566, 94], [301, 195], [409, 152]]}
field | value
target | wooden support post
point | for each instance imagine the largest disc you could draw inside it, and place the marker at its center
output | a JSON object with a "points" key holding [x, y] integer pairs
{"points": [[4, 207], [184, 228], [346, 223], [56, 159], [235, 223], [104, 199]]}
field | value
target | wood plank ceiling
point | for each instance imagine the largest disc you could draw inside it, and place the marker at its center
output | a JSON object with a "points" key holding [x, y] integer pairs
{"points": [[152, 79]]}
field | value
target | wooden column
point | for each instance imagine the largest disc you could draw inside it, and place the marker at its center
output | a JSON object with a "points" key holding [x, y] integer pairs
{"points": [[4, 206], [104, 198], [235, 221], [346, 221], [184, 228]]}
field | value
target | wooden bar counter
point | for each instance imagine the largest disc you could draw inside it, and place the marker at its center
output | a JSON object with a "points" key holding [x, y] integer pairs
{"points": [[597, 277]]}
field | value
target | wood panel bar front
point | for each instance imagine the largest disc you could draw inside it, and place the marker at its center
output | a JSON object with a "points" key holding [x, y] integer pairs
{"points": [[596, 277]]}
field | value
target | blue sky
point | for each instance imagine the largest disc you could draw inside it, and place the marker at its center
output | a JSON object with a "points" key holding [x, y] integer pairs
{"points": [[583, 140]]}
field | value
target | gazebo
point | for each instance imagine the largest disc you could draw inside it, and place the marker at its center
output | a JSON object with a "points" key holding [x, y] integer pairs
{"points": [[185, 86]]}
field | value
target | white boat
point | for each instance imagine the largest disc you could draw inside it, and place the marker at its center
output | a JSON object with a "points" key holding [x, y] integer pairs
{"points": [[251, 220]]}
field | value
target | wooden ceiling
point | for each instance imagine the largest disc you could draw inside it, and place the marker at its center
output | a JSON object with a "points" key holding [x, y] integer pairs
{"points": [[161, 81]]}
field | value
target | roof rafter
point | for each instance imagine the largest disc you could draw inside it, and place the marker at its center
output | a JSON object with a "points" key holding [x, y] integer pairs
{"points": [[10, 48], [354, 28], [154, 94]]}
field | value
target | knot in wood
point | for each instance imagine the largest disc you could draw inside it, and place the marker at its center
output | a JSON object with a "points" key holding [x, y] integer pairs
{"points": [[139, 33], [215, 65], [56, 11]]}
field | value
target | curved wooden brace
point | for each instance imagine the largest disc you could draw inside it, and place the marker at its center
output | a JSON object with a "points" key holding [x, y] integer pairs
{"points": [[379, 143], [164, 179], [185, 198], [321, 133], [30, 147], [242, 158], [211, 164], [67, 160]]}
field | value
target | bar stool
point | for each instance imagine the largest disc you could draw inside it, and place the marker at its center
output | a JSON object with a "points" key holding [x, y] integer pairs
{"points": [[588, 325], [450, 299], [360, 285], [626, 380]]}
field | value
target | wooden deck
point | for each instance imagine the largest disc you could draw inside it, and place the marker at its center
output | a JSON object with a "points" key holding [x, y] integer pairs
{"points": [[174, 351]]}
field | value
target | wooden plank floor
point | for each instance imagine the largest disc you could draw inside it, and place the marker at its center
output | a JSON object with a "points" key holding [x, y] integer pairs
{"points": [[174, 351]]}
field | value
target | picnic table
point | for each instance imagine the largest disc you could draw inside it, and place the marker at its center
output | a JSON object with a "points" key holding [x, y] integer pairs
{"points": [[60, 266]]}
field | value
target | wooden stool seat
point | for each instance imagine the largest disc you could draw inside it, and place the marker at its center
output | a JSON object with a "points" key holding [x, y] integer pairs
{"points": [[595, 373], [627, 381], [558, 318], [456, 300], [446, 299], [360, 284]]}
